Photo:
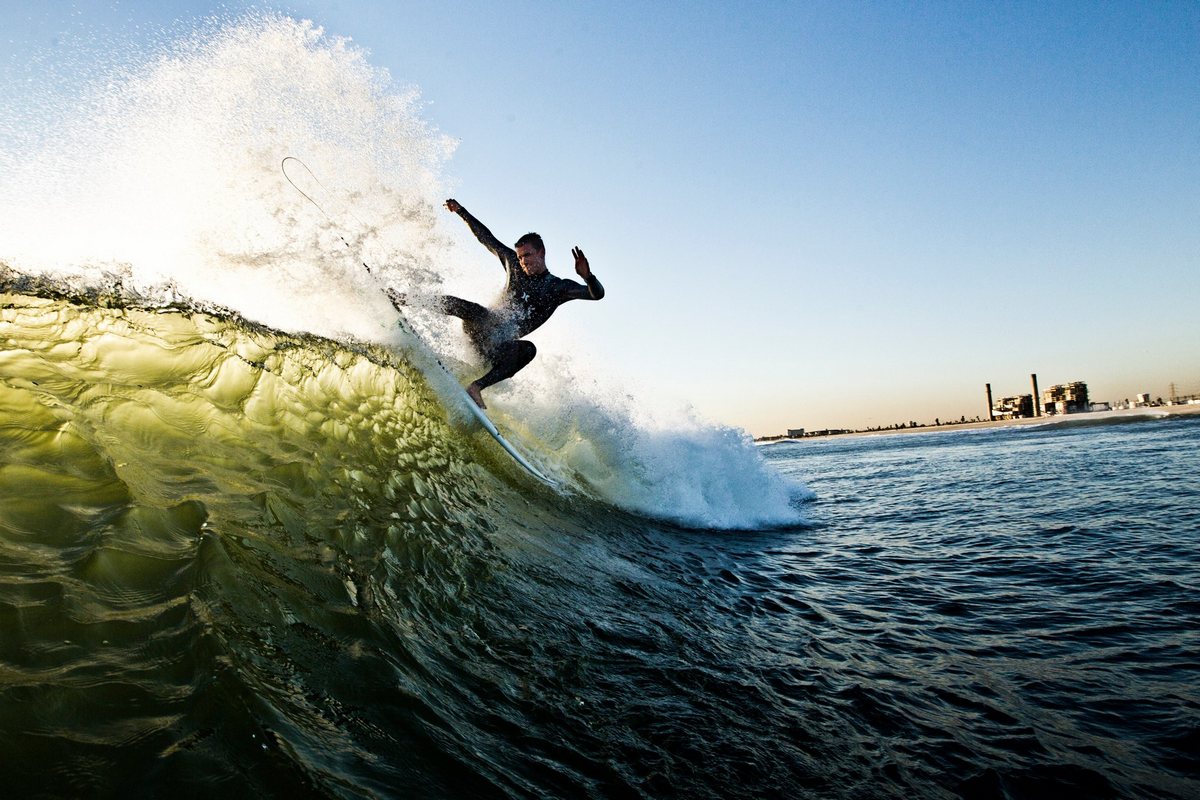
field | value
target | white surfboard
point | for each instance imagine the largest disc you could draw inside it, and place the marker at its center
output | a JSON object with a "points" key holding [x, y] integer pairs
{"points": [[490, 427]]}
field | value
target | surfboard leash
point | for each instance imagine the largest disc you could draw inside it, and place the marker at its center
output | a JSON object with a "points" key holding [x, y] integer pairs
{"points": [[404, 323], [308, 197]]}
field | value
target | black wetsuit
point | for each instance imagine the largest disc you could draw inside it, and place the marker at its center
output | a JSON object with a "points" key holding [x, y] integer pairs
{"points": [[526, 302]]}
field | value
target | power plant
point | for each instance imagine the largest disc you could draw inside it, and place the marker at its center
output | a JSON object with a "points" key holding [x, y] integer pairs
{"points": [[1063, 398]]}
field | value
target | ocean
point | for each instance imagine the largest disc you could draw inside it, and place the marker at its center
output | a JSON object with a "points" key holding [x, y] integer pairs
{"points": [[238, 560], [252, 545]]}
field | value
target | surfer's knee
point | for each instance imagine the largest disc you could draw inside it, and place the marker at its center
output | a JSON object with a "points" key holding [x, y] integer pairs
{"points": [[524, 352]]}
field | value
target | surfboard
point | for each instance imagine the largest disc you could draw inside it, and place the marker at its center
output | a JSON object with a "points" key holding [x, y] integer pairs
{"points": [[490, 427], [477, 412]]}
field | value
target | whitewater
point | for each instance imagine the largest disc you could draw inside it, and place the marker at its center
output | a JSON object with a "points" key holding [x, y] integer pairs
{"points": [[251, 543]]}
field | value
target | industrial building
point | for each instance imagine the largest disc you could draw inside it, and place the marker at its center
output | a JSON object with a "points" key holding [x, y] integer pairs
{"points": [[1018, 407], [1067, 398]]}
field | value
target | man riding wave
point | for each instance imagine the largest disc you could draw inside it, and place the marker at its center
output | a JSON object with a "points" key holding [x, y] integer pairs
{"points": [[531, 294]]}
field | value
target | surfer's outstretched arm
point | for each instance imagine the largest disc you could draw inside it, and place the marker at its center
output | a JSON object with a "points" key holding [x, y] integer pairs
{"points": [[502, 251], [594, 289]]}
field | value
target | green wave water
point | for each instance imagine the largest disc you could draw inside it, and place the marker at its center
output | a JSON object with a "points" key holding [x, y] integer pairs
{"points": [[173, 484], [233, 557]]}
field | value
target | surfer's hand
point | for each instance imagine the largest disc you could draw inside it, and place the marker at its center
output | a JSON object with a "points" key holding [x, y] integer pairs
{"points": [[581, 263], [453, 205]]}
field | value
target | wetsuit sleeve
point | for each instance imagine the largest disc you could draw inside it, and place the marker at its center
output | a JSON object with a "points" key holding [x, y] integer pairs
{"points": [[503, 252], [573, 290]]}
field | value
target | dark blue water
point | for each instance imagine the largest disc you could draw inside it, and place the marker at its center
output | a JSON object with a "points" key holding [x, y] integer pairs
{"points": [[996, 612]]}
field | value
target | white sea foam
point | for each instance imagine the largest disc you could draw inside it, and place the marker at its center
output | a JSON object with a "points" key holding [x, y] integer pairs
{"points": [[168, 172], [648, 456]]}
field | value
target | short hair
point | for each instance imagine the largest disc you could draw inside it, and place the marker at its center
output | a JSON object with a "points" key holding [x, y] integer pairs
{"points": [[533, 239]]}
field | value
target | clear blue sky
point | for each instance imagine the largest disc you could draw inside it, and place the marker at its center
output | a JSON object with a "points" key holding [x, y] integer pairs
{"points": [[810, 214]]}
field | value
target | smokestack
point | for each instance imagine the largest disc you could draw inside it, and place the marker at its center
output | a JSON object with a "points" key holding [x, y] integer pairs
{"points": [[991, 417], [1037, 399]]}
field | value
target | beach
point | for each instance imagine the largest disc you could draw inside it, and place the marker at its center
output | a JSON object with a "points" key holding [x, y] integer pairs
{"points": [[1058, 419]]}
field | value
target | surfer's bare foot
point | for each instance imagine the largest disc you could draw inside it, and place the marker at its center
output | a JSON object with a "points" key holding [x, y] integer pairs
{"points": [[476, 394]]}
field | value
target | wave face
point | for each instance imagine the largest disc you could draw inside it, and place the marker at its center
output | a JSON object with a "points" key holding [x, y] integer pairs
{"points": [[229, 553]]}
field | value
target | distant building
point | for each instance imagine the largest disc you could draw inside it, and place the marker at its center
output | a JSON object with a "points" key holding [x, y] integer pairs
{"points": [[1066, 398], [1018, 407], [1143, 399], [795, 433]]}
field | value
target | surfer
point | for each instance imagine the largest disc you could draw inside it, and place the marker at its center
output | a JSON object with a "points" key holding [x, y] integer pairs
{"points": [[531, 294]]}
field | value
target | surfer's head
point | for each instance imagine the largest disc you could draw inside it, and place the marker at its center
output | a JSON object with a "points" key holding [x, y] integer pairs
{"points": [[531, 252]]}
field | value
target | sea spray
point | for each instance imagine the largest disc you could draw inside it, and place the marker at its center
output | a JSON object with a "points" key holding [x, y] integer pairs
{"points": [[169, 171], [164, 185]]}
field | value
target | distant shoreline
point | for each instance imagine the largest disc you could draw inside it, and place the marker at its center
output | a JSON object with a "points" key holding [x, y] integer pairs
{"points": [[1131, 413]]}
